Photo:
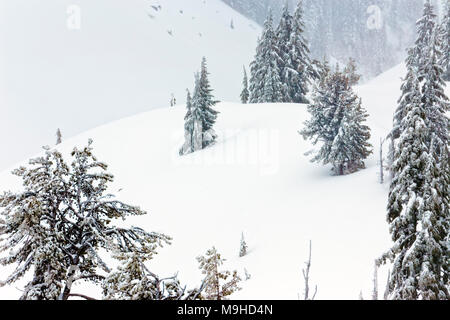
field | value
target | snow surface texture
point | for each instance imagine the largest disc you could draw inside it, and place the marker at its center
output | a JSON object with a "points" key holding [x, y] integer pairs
{"points": [[255, 180], [126, 57]]}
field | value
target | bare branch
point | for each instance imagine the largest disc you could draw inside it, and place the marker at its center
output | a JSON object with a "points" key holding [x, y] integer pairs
{"points": [[81, 296]]}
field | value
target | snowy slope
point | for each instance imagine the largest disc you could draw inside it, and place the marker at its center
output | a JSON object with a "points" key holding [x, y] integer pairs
{"points": [[256, 180], [120, 62]]}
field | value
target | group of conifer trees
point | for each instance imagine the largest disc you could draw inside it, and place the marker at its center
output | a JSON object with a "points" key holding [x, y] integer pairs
{"points": [[282, 69]]}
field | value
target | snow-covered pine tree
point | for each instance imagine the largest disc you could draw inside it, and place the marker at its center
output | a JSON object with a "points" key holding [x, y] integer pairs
{"points": [[215, 289], [337, 118], [58, 136], [265, 82], [57, 226], [445, 30], [243, 248], [245, 95], [203, 103], [418, 211]]}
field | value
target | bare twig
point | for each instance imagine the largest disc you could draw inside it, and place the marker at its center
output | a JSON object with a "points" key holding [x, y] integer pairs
{"points": [[81, 296]]}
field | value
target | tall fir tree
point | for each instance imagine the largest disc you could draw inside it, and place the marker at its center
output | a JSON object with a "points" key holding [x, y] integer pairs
{"points": [[245, 95], [337, 121], [265, 82], [418, 209], [193, 134], [299, 52], [285, 63]]}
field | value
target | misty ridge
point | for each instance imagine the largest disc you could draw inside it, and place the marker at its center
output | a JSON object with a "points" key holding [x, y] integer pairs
{"points": [[376, 33]]}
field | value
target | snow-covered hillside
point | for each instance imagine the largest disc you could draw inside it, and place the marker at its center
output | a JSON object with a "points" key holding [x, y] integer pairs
{"points": [[255, 180], [128, 56]]}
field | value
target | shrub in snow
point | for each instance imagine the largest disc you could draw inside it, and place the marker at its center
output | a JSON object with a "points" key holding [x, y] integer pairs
{"points": [[218, 286]]}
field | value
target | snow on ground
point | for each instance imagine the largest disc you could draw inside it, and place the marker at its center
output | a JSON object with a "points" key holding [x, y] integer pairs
{"points": [[125, 58], [255, 180]]}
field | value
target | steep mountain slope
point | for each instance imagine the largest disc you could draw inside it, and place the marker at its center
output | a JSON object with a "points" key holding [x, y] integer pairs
{"points": [[255, 180], [126, 57]]}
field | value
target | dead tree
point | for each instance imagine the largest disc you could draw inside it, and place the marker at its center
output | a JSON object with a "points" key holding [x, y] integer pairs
{"points": [[306, 276]]}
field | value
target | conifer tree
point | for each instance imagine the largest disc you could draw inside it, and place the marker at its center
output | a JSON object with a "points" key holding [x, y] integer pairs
{"points": [[302, 73], [203, 101], [200, 117], [418, 211], [337, 121], [216, 285], [418, 208], [265, 82], [405, 97], [56, 227], [245, 95]]}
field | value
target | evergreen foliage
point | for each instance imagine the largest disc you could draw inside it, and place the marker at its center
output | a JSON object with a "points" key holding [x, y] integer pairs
{"points": [[218, 286]]}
